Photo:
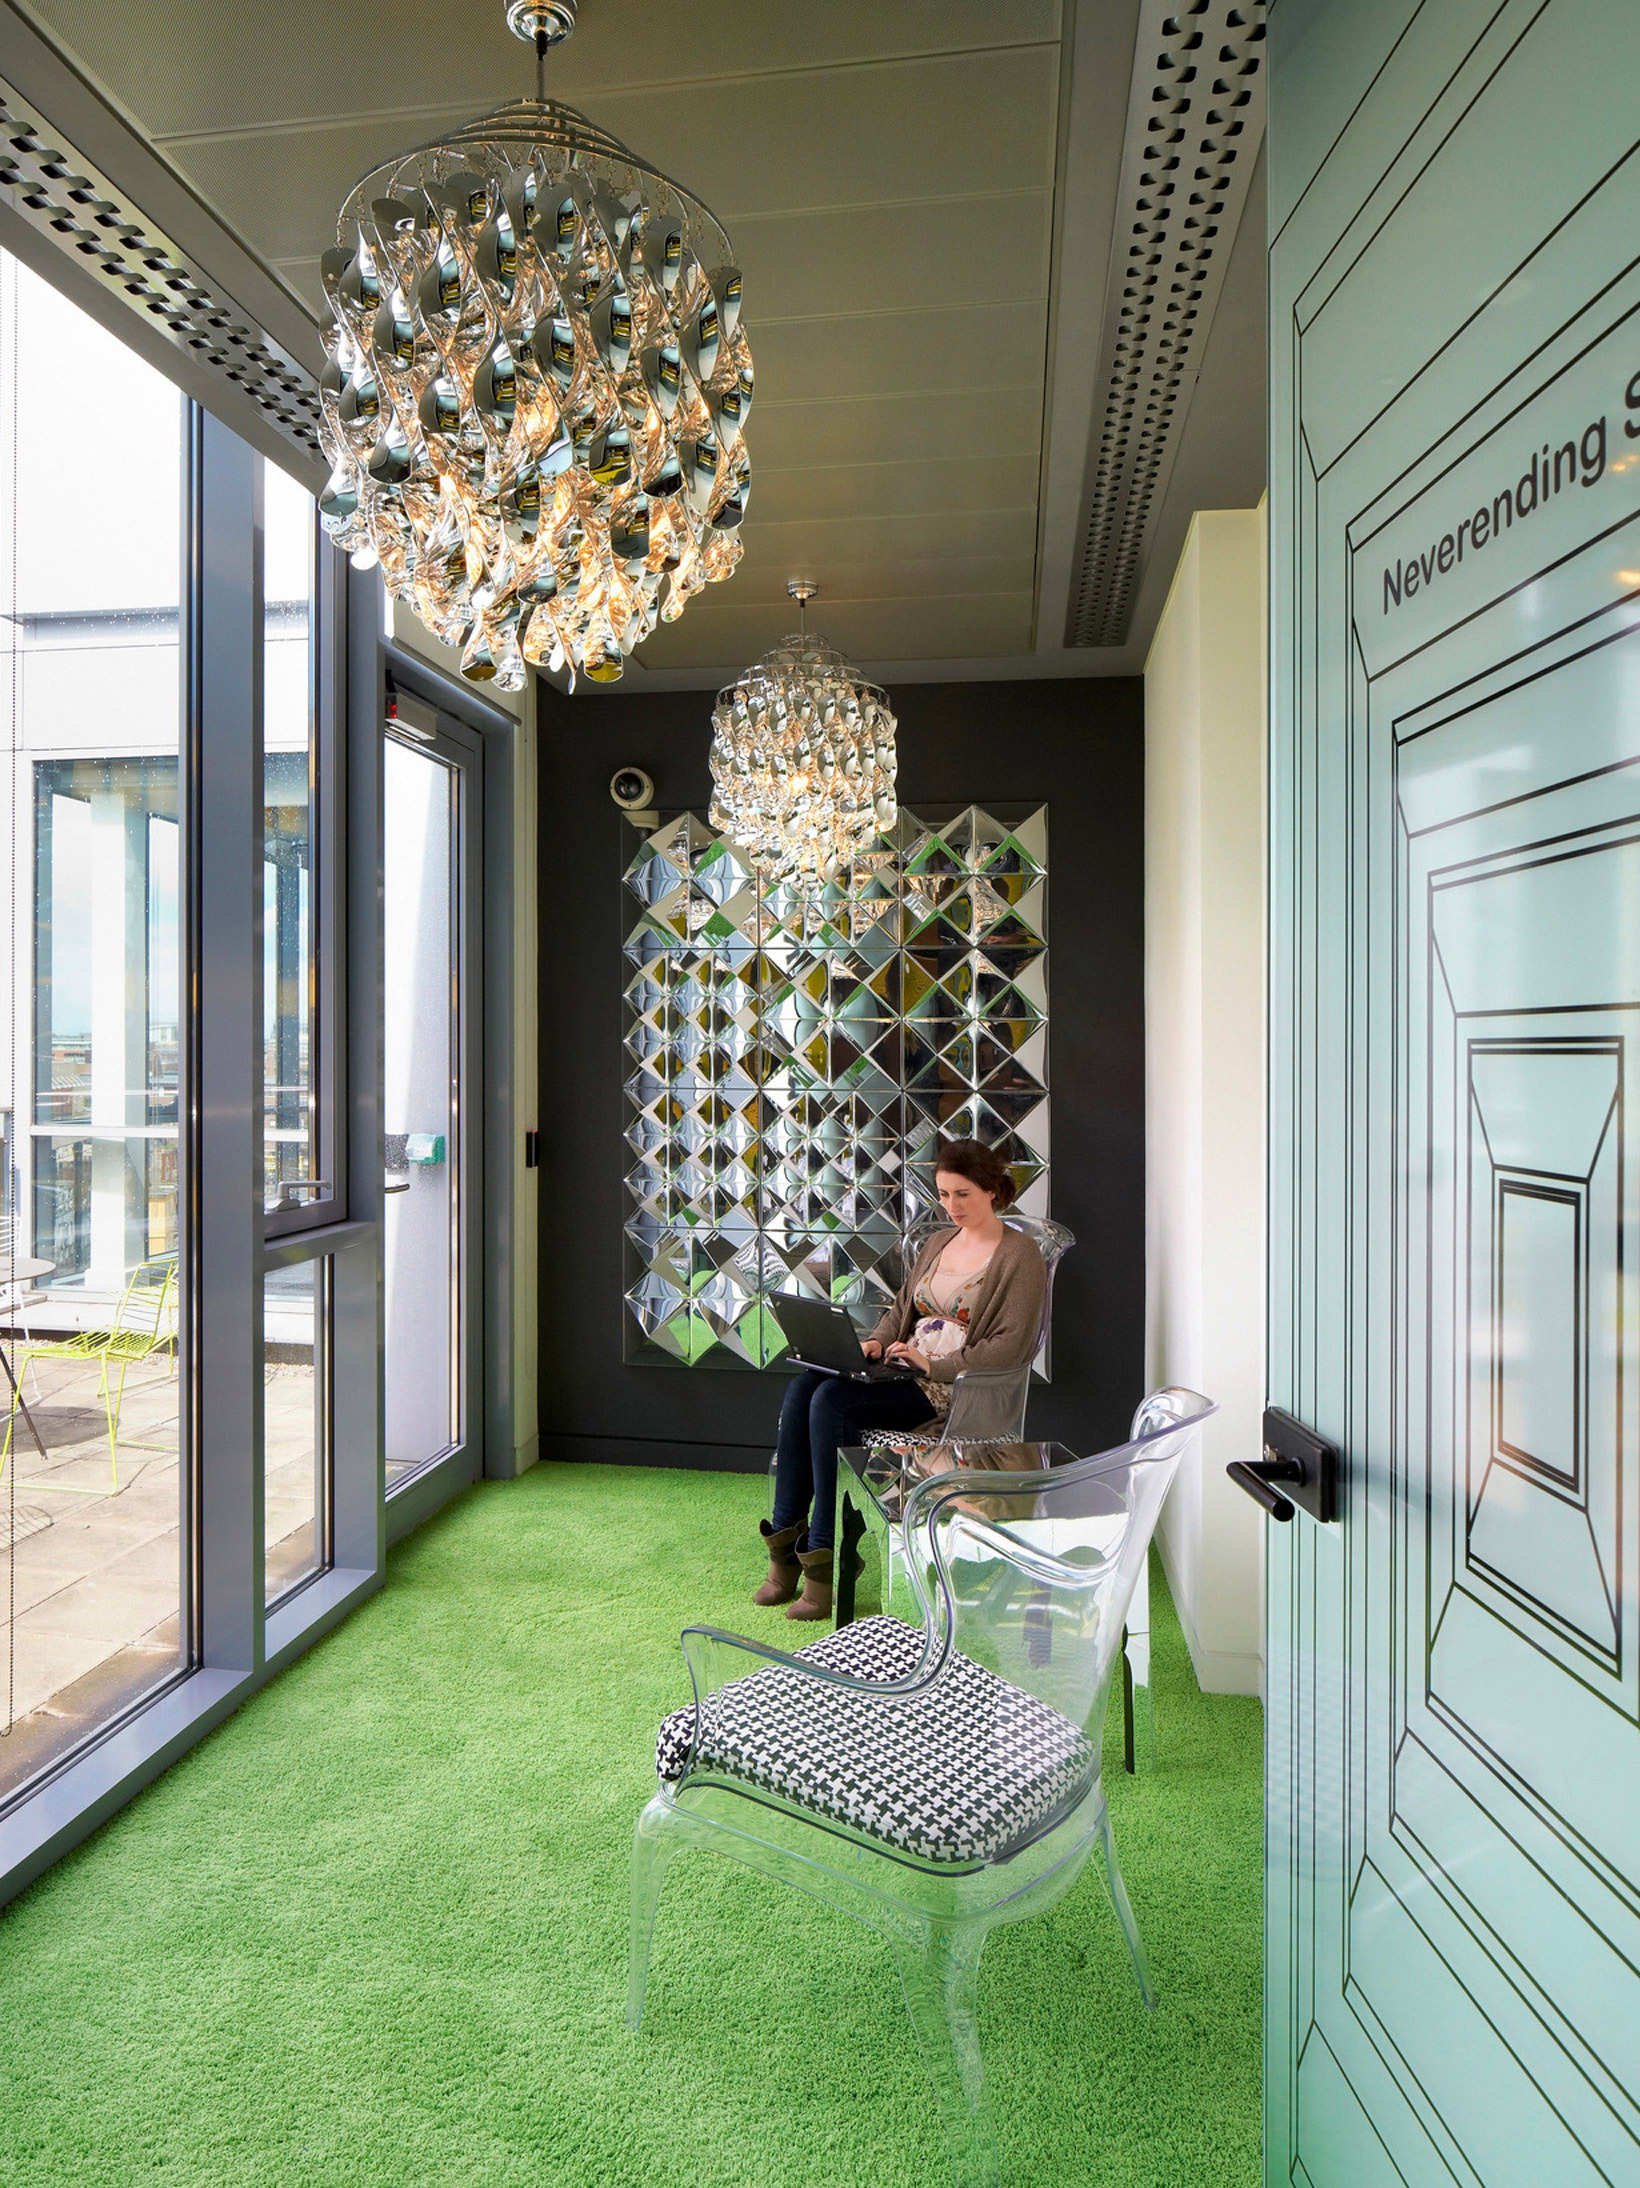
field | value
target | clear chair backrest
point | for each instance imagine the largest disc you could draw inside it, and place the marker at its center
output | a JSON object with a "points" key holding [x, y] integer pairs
{"points": [[149, 1304], [1051, 1240], [1029, 1572], [988, 1405], [1169, 1407]]}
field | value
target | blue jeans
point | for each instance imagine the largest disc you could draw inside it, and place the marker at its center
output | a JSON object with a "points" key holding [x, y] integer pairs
{"points": [[818, 1414]]}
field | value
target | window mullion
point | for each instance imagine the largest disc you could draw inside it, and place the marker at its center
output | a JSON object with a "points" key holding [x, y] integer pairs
{"points": [[223, 1335], [330, 593], [359, 1521]]}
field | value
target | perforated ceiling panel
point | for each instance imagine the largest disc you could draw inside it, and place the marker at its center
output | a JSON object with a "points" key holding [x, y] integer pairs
{"points": [[73, 204], [1194, 125]]}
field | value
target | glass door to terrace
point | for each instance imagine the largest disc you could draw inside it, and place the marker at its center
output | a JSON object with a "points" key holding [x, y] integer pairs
{"points": [[431, 803]]}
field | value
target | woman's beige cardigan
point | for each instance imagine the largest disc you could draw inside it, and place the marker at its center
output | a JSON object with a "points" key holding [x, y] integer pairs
{"points": [[1002, 1330]]}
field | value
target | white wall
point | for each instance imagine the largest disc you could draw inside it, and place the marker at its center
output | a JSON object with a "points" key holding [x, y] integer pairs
{"points": [[1204, 1005]]}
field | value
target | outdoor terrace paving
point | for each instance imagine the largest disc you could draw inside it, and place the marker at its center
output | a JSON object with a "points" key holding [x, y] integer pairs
{"points": [[90, 1545]]}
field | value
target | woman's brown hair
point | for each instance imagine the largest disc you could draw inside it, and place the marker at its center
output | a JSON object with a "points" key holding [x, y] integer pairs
{"points": [[979, 1164]]}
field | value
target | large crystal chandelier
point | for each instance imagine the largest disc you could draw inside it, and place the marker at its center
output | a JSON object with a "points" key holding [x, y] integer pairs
{"points": [[803, 758], [536, 387]]}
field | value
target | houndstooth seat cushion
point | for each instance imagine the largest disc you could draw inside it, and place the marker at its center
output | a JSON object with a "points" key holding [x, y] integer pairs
{"points": [[954, 1773]]}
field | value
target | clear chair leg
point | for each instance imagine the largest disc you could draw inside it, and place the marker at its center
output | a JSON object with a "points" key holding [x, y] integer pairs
{"points": [[652, 1848], [940, 1977], [1124, 1913], [1138, 1696]]}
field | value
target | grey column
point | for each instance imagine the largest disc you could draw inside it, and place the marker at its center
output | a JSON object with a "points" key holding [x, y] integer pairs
{"points": [[359, 1512], [222, 1075]]}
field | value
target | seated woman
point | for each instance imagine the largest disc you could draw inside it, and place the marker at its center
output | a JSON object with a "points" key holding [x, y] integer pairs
{"points": [[973, 1300]]}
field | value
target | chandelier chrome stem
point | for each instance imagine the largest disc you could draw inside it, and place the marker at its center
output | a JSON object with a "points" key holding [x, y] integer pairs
{"points": [[542, 23], [537, 386]]}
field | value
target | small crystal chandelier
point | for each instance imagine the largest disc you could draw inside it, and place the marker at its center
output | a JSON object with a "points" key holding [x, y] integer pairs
{"points": [[803, 758], [537, 386]]}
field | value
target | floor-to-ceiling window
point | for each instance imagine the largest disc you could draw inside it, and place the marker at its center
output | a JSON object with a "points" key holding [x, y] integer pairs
{"points": [[190, 1175], [94, 1576]]}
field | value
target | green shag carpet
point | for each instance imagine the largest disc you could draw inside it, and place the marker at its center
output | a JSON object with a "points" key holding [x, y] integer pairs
{"points": [[373, 1931]]}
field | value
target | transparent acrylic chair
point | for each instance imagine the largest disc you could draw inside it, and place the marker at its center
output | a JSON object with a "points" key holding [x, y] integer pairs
{"points": [[934, 1781], [987, 1408]]}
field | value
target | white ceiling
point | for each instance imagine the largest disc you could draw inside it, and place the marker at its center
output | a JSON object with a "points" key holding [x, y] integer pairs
{"points": [[920, 193]]}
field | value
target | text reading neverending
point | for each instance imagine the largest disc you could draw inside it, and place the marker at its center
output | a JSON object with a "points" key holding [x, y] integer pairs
{"points": [[1576, 462]]}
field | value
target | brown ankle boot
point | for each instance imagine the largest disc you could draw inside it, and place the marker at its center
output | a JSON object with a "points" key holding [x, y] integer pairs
{"points": [[785, 1574], [815, 1601]]}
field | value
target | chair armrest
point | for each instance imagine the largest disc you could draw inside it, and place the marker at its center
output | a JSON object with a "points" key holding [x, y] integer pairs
{"points": [[717, 1659]]}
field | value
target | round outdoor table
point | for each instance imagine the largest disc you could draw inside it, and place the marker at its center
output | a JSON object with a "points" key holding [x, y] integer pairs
{"points": [[21, 1269]]}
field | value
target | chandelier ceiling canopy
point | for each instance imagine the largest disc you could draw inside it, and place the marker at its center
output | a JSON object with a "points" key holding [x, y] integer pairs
{"points": [[803, 759], [536, 388]]}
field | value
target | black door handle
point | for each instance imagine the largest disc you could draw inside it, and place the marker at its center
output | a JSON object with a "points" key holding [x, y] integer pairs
{"points": [[1259, 1476], [1304, 1464]]}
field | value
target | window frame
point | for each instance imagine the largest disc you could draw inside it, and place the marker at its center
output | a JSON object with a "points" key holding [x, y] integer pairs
{"points": [[457, 748], [235, 1640], [257, 397], [494, 1177], [327, 794]]}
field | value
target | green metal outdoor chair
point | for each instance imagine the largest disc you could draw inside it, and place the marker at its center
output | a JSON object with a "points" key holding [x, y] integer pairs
{"points": [[144, 1326]]}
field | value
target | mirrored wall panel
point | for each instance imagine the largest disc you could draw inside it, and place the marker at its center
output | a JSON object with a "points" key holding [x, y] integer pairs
{"points": [[793, 1056]]}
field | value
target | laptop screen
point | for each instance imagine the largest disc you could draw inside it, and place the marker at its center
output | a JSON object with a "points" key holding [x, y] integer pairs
{"points": [[819, 1332]]}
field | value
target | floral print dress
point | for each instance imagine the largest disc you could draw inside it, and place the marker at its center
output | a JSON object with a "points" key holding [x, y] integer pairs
{"points": [[945, 1305]]}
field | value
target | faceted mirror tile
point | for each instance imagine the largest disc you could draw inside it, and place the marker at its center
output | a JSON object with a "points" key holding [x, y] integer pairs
{"points": [[724, 874], [653, 875]]}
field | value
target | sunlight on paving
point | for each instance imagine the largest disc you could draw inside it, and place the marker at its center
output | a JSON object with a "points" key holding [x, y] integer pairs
{"points": [[90, 1575]]}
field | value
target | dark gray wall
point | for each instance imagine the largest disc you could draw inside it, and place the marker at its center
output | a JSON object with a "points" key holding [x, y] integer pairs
{"points": [[1077, 745]]}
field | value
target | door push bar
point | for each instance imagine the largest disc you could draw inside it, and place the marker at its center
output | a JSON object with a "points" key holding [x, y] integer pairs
{"points": [[1305, 1465]]}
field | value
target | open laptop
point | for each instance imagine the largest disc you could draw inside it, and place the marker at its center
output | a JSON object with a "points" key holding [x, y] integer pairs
{"points": [[822, 1336]]}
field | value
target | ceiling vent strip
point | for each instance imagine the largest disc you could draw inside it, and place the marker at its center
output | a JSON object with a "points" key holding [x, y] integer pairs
{"points": [[76, 208], [1195, 121]]}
